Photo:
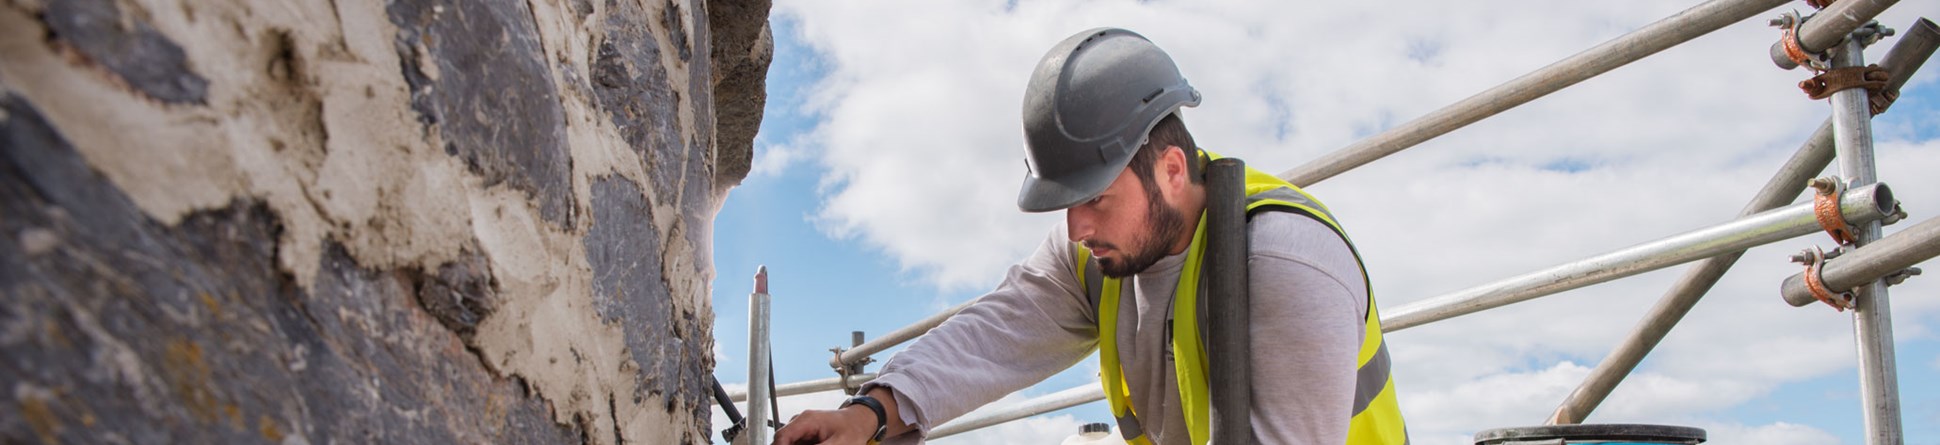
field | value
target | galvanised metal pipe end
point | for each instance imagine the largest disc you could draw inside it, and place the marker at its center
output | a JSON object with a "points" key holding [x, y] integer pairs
{"points": [[761, 279], [1778, 52], [1827, 28], [1867, 203], [1883, 257], [1912, 50]]}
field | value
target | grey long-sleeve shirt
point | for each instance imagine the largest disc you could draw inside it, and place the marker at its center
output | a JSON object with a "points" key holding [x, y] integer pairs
{"points": [[1308, 304]]}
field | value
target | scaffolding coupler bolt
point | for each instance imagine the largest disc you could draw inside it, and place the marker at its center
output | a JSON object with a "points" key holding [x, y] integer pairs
{"points": [[1901, 276], [1814, 260], [1898, 214]]}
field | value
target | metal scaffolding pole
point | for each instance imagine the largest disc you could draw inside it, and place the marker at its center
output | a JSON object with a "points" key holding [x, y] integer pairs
{"points": [[1872, 315], [1859, 204], [807, 387], [1671, 31], [1902, 61], [1051, 402], [862, 352], [759, 361]]}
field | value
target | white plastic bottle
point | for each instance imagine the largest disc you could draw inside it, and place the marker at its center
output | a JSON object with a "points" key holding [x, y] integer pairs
{"points": [[1094, 434]]}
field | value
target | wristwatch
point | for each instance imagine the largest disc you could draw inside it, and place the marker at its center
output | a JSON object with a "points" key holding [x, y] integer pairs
{"points": [[882, 420]]}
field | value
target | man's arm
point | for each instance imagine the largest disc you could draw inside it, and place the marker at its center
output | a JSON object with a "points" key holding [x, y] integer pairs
{"points": [[1035, 324], [1308, 303]]}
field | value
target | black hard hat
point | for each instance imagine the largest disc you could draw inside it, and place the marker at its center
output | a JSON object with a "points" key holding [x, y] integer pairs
{"points": [[1091, 103]]}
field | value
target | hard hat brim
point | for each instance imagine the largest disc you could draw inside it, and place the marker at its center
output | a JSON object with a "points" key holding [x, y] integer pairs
{"points": [[1042, 194]]}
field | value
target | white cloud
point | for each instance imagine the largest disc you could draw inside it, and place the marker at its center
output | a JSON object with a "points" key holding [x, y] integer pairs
{"points": [[1779, 433], [923, 144], [772, 159]]}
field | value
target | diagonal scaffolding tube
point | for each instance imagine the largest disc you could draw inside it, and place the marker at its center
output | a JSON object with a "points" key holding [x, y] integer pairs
{"points": [[1810, 159], [1902, 61], [1859, 205], [1652, 38]]}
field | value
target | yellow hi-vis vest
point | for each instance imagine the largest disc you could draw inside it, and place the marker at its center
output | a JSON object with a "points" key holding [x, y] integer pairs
{"points": [[1376, 417]]}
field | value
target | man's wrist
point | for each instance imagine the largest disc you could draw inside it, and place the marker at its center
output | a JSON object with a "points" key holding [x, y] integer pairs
{"points": [[871, 412]]}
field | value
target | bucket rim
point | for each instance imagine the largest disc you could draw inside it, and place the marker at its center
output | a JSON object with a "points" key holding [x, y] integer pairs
{"points": [[1595, 431]]}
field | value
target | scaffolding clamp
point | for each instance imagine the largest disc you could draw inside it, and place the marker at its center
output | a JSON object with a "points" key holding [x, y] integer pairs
{"points": [[1814, 260], [1825, 207], [1873, 78], [847, 370], [1794, 49]]}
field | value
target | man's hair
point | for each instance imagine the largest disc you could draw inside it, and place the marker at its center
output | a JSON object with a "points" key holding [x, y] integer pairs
{"points": [[1170, 131]]}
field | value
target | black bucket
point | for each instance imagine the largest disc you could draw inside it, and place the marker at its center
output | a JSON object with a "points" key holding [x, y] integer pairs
{"points": [[1600, 434]]}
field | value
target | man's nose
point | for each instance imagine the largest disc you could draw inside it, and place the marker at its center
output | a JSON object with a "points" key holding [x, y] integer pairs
{"points": [[1077, 224]]}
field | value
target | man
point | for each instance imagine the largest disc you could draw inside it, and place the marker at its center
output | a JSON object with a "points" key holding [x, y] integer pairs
{"points": [[1107, 146]]}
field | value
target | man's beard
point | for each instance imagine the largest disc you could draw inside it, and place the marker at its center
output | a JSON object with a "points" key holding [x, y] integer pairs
{"points": [[1163, 225]]}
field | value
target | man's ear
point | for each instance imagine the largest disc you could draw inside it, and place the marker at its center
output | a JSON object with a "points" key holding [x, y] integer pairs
{"points": [[1174, 166]]}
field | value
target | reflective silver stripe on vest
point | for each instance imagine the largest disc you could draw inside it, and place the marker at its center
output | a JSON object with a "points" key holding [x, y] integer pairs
{"points": [[1128, 427], [1370, 379], [1288, 195]]}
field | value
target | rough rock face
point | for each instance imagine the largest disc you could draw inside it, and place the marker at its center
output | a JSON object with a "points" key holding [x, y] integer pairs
{"points": [[366, 221]]}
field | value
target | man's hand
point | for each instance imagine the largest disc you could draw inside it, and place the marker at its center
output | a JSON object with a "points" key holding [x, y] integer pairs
{"points": [[847, 426]]}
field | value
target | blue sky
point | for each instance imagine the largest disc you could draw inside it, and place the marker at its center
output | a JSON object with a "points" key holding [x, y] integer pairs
{"points": [[844, 256]]}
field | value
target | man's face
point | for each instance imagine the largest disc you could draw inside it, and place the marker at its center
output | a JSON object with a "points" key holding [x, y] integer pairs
{"points": [[1128, 227]]}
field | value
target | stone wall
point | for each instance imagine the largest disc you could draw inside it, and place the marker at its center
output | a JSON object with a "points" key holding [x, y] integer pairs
{"points": [[366, 221]]}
